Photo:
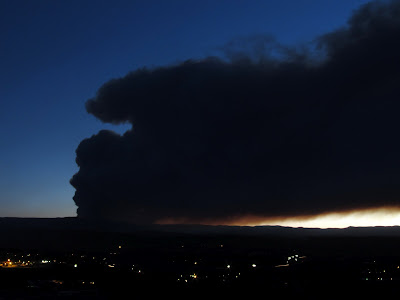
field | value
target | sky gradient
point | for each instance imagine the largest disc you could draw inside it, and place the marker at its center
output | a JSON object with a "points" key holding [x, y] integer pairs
{"points": [[56, 55]]}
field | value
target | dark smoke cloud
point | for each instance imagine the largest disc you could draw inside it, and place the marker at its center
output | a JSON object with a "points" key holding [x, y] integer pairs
{"points": [[270, 134]]}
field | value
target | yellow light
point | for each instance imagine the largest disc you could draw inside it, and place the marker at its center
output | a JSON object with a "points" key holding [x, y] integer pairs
{"points": [[383, 216], [365, 217]]}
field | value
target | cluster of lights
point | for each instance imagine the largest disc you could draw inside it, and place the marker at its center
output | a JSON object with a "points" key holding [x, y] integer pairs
{"points": [[193, 276], [294, 258], [9, 263]]}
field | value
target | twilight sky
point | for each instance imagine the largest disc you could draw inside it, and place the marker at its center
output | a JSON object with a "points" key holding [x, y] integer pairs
{"points": [[55, 55]]}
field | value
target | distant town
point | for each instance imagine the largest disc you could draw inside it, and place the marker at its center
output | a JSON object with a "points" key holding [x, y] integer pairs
{"points": [[194, 264]]}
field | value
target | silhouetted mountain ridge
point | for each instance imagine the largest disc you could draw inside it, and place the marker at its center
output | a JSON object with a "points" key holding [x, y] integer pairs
{"points": [[78, 224]]}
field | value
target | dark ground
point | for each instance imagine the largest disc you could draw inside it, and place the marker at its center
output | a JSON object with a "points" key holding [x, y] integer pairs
{"points": [[112, 261]]}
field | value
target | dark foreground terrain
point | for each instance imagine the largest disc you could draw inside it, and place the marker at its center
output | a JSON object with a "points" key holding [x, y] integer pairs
{"points": [[71, 259]]}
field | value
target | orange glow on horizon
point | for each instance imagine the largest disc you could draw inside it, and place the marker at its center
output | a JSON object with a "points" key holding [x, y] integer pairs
{"points": [[381, 216]]}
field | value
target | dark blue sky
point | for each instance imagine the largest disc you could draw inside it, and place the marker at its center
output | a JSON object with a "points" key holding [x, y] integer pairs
{"points": [[56, 54]]}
